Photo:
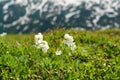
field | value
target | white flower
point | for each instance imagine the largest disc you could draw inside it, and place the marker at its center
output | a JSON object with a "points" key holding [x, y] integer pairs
{"points": [[43, 45], [45, 49], [72, 46], [3, 34], [68, 39], [58, 52], [69, 54], [40, 43], [38, 38]]}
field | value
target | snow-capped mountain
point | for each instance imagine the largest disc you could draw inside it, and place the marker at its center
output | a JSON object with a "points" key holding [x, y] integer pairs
{"points": [[21, 16]]}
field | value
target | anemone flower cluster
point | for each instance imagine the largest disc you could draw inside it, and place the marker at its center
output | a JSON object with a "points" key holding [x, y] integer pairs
{"points": [[43, 45], [69, 41], [40, 43]]}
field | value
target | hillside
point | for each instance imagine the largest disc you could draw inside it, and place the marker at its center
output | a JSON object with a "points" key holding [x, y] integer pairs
{"points": [[25, 16], [96, 56]]}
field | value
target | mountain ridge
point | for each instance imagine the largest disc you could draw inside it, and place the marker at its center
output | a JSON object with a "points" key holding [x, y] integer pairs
{"points": [[25, 16]]}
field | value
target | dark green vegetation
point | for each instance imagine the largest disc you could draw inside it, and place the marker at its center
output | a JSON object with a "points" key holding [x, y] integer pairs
{"points": [[97, 56]]}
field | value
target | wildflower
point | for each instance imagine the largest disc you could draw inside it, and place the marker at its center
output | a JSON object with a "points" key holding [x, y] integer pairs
{"points": [[58, 52], [44, 46], [38, 38], [40, 43], [69, 54], [68, 39], [72, 46], [3, 34]]}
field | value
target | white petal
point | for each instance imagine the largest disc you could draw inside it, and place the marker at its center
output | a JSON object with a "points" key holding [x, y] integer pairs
{"points": [[58, 52]]}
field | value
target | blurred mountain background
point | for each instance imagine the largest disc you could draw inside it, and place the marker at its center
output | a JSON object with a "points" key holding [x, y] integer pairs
{"points": [[25, 16]]}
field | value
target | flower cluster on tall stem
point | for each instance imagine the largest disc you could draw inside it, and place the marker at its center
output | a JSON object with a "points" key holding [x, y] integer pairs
{"points": [[40, 43], [69, 41]]}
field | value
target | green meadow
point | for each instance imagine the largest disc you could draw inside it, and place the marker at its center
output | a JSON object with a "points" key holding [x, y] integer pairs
{"points": [[96, 56]]}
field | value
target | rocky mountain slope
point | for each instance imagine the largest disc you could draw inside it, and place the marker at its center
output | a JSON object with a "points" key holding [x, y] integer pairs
{"points": [[24, 16]]}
